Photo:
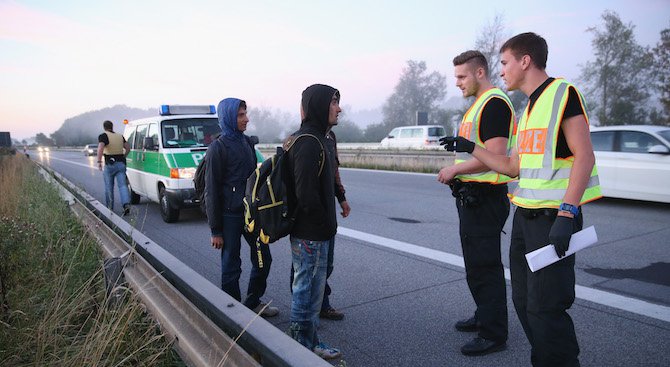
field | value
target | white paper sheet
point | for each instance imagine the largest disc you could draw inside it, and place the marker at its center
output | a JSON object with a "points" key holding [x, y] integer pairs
{"points": [[546, 255]]}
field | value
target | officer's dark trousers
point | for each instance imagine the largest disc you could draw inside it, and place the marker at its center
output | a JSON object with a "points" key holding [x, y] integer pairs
{"points": [[542, 298], [480, 227]]}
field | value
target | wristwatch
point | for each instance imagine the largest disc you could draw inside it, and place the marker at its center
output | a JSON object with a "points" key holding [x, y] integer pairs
{"points": [[565, 207]]}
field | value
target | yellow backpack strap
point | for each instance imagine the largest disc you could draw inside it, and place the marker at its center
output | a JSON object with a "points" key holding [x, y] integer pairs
{"points": [[288, 143]]}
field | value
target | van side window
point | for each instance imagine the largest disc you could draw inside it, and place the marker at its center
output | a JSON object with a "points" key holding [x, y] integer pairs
{"points": [[153, 133], [131, 138], [436, 131], [139, 137], [417, 133], [405, 133]]}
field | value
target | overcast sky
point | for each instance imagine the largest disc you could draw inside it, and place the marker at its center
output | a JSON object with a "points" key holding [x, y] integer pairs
{"points": [[62, 58]]}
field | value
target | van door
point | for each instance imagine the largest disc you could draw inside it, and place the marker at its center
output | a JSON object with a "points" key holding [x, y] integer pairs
{"points": [[152, 163], [139, 154]]}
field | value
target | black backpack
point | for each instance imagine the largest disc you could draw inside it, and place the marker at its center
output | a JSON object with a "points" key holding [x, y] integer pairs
{"points": [[266, 213]]}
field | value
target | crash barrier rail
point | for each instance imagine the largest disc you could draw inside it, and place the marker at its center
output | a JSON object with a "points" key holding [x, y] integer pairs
{"points": [[370, 155], [200, 318]]}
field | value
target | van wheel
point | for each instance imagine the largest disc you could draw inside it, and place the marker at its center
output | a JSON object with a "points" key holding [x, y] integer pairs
{"points": [[168, 213]]}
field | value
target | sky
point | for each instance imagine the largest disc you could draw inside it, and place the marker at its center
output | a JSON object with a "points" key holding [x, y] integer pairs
{"points": [[59, 59]]}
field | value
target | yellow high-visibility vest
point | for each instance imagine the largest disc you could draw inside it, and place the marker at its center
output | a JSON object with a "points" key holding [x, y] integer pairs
{"points": [[469, 129], [115, 146], [543, 178]]}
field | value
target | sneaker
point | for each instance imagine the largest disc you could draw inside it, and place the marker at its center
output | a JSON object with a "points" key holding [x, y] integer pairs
{"points": [[126, 209], [265, 310], [331, 314], [467, 325], [324, 351]]}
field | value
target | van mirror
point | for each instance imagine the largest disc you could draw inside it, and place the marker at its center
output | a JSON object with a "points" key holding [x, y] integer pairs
{"points": [[390, 136], [149, 143]]}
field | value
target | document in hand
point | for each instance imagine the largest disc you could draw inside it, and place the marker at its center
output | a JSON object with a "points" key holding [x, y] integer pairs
{"points": [[545, 256]]}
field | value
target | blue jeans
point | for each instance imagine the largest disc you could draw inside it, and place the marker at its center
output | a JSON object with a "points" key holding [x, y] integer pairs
{"points": [[231, 269], [325, 305], [310, 261], [115, 170]]}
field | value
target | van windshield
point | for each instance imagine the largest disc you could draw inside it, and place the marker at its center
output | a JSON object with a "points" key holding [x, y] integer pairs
{"points": [[186, 133], [436, 131]]}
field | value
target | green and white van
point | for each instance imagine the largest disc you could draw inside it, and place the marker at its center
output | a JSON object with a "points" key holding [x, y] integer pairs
{"points": [[165, 151]]}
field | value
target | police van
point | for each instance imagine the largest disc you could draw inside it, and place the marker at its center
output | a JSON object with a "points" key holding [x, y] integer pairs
{"points": [[164, 153]]}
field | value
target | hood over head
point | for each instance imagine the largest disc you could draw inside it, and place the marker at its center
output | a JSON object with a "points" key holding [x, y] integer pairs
{"points": [[227, 114], [316, 105]]}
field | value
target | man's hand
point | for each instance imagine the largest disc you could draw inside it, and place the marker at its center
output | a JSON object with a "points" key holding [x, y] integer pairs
{"points": [[457, 144], [346, 209], [560, 234], [100, 166], [446, 175], [217, 242]]}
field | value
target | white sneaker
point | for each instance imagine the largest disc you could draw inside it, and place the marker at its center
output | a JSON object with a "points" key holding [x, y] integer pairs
{"points": [[324, 351], [266, 311]]}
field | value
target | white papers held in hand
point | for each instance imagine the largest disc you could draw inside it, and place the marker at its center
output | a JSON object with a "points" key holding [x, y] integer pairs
{"points": [[545, 256]]}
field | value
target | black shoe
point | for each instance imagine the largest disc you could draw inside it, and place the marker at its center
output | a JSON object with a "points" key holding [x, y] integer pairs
{"points": [[480, 346], [126, 209], [467, 325], [331, 314]]}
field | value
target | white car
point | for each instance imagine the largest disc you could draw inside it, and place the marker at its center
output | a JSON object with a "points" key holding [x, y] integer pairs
{"points": [[633, 161], [414, 137]]}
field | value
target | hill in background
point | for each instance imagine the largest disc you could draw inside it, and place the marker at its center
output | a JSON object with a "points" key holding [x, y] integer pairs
{"points": [[84, 128]]}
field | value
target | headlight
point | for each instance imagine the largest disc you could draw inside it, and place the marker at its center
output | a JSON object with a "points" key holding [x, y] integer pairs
{"points": [[182, 172]]}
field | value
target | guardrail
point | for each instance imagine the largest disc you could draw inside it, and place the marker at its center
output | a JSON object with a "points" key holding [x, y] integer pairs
{"points": [[202, 319], [359, 155]]}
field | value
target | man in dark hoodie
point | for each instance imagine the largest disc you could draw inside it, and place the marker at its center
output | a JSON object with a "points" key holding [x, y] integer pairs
{"points": [[311, 196], [230, 160]]}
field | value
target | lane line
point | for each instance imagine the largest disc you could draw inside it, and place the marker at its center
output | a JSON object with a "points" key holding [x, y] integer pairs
{"points": [[71, 162], [604, 298]]}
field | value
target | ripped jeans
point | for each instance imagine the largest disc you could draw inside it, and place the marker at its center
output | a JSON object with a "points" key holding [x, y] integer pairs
{"points": [[310, 262]]}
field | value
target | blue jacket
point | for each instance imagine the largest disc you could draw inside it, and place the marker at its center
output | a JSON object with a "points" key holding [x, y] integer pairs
{"points": [[230, 161]]}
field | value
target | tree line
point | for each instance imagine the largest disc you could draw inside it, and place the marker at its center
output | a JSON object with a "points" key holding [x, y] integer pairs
{"points": [[625, 83]]}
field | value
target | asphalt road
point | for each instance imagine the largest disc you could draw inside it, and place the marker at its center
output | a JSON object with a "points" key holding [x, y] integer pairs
{"points": [[399, 279]]}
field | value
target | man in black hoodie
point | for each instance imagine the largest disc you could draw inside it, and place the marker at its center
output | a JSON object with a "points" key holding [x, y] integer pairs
{"points": [[311, 196]]}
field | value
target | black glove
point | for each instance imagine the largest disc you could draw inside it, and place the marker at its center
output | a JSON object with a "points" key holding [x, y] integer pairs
{"points": [[457, 144], [560, 234]]}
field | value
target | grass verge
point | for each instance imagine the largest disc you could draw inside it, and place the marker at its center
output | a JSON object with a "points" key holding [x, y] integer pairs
{"points": [[53, 304]]}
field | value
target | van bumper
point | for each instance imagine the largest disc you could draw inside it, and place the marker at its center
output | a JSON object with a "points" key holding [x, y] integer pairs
{"points": [[182, 198]]}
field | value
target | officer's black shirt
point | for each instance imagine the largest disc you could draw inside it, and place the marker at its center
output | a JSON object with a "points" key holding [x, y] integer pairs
{"points": [[573, 108], [495, 120]]}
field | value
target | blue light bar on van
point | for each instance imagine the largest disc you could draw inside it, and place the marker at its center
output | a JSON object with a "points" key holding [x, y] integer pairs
{"points": [[187, 110]]}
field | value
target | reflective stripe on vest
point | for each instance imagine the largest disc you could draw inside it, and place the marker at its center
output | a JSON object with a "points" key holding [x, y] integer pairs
{"points": [[469, 129], [115, 146], [544, 179]]}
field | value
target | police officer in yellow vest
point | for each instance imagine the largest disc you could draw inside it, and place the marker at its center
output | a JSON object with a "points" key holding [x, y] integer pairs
{"points": [[554, 160], [482, 203], [114, 148]]}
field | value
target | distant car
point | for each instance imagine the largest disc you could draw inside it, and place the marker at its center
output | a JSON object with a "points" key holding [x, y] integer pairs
{"points": [[633, 161], [414, 137], [91, 149], [42, 149]]}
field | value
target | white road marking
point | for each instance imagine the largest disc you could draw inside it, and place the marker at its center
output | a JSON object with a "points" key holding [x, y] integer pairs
{"points": [[71, 162], [624, 303]]}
